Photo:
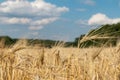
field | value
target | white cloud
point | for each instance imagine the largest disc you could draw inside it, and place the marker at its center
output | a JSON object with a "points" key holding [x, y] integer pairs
{"points": [[34, 33], [119, 4], [81, 22], [35, 8], [100, 19], [14, 20], [89, 2], [35, 27], [36, 13], [38, 24], [81, 9], [44, 21]]}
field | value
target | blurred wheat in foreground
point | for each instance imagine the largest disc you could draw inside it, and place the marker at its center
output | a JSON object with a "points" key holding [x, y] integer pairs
{"points": [[23, 62]]}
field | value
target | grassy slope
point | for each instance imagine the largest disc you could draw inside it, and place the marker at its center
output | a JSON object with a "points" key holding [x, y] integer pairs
{"points": [[106, 34]]}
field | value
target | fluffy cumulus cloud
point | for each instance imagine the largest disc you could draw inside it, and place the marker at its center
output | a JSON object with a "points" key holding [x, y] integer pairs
{"points": [[100, 19], [35, 14]]}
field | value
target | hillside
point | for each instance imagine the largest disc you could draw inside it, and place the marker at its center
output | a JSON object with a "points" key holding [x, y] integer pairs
{"points": [[106, 30], [107, 35]]}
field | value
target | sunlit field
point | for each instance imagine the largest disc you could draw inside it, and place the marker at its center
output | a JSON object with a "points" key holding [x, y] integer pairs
{"points": [[59, 39], [22, 62]]}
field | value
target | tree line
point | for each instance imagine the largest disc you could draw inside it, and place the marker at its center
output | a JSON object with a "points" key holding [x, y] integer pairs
{"points": [[105, 35]]}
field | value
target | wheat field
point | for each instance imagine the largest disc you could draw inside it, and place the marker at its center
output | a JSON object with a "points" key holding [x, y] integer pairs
{"points": [[23, 62]]}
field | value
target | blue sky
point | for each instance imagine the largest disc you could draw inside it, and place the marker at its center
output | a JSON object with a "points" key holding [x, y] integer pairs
{"points": [[55, 19]]}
